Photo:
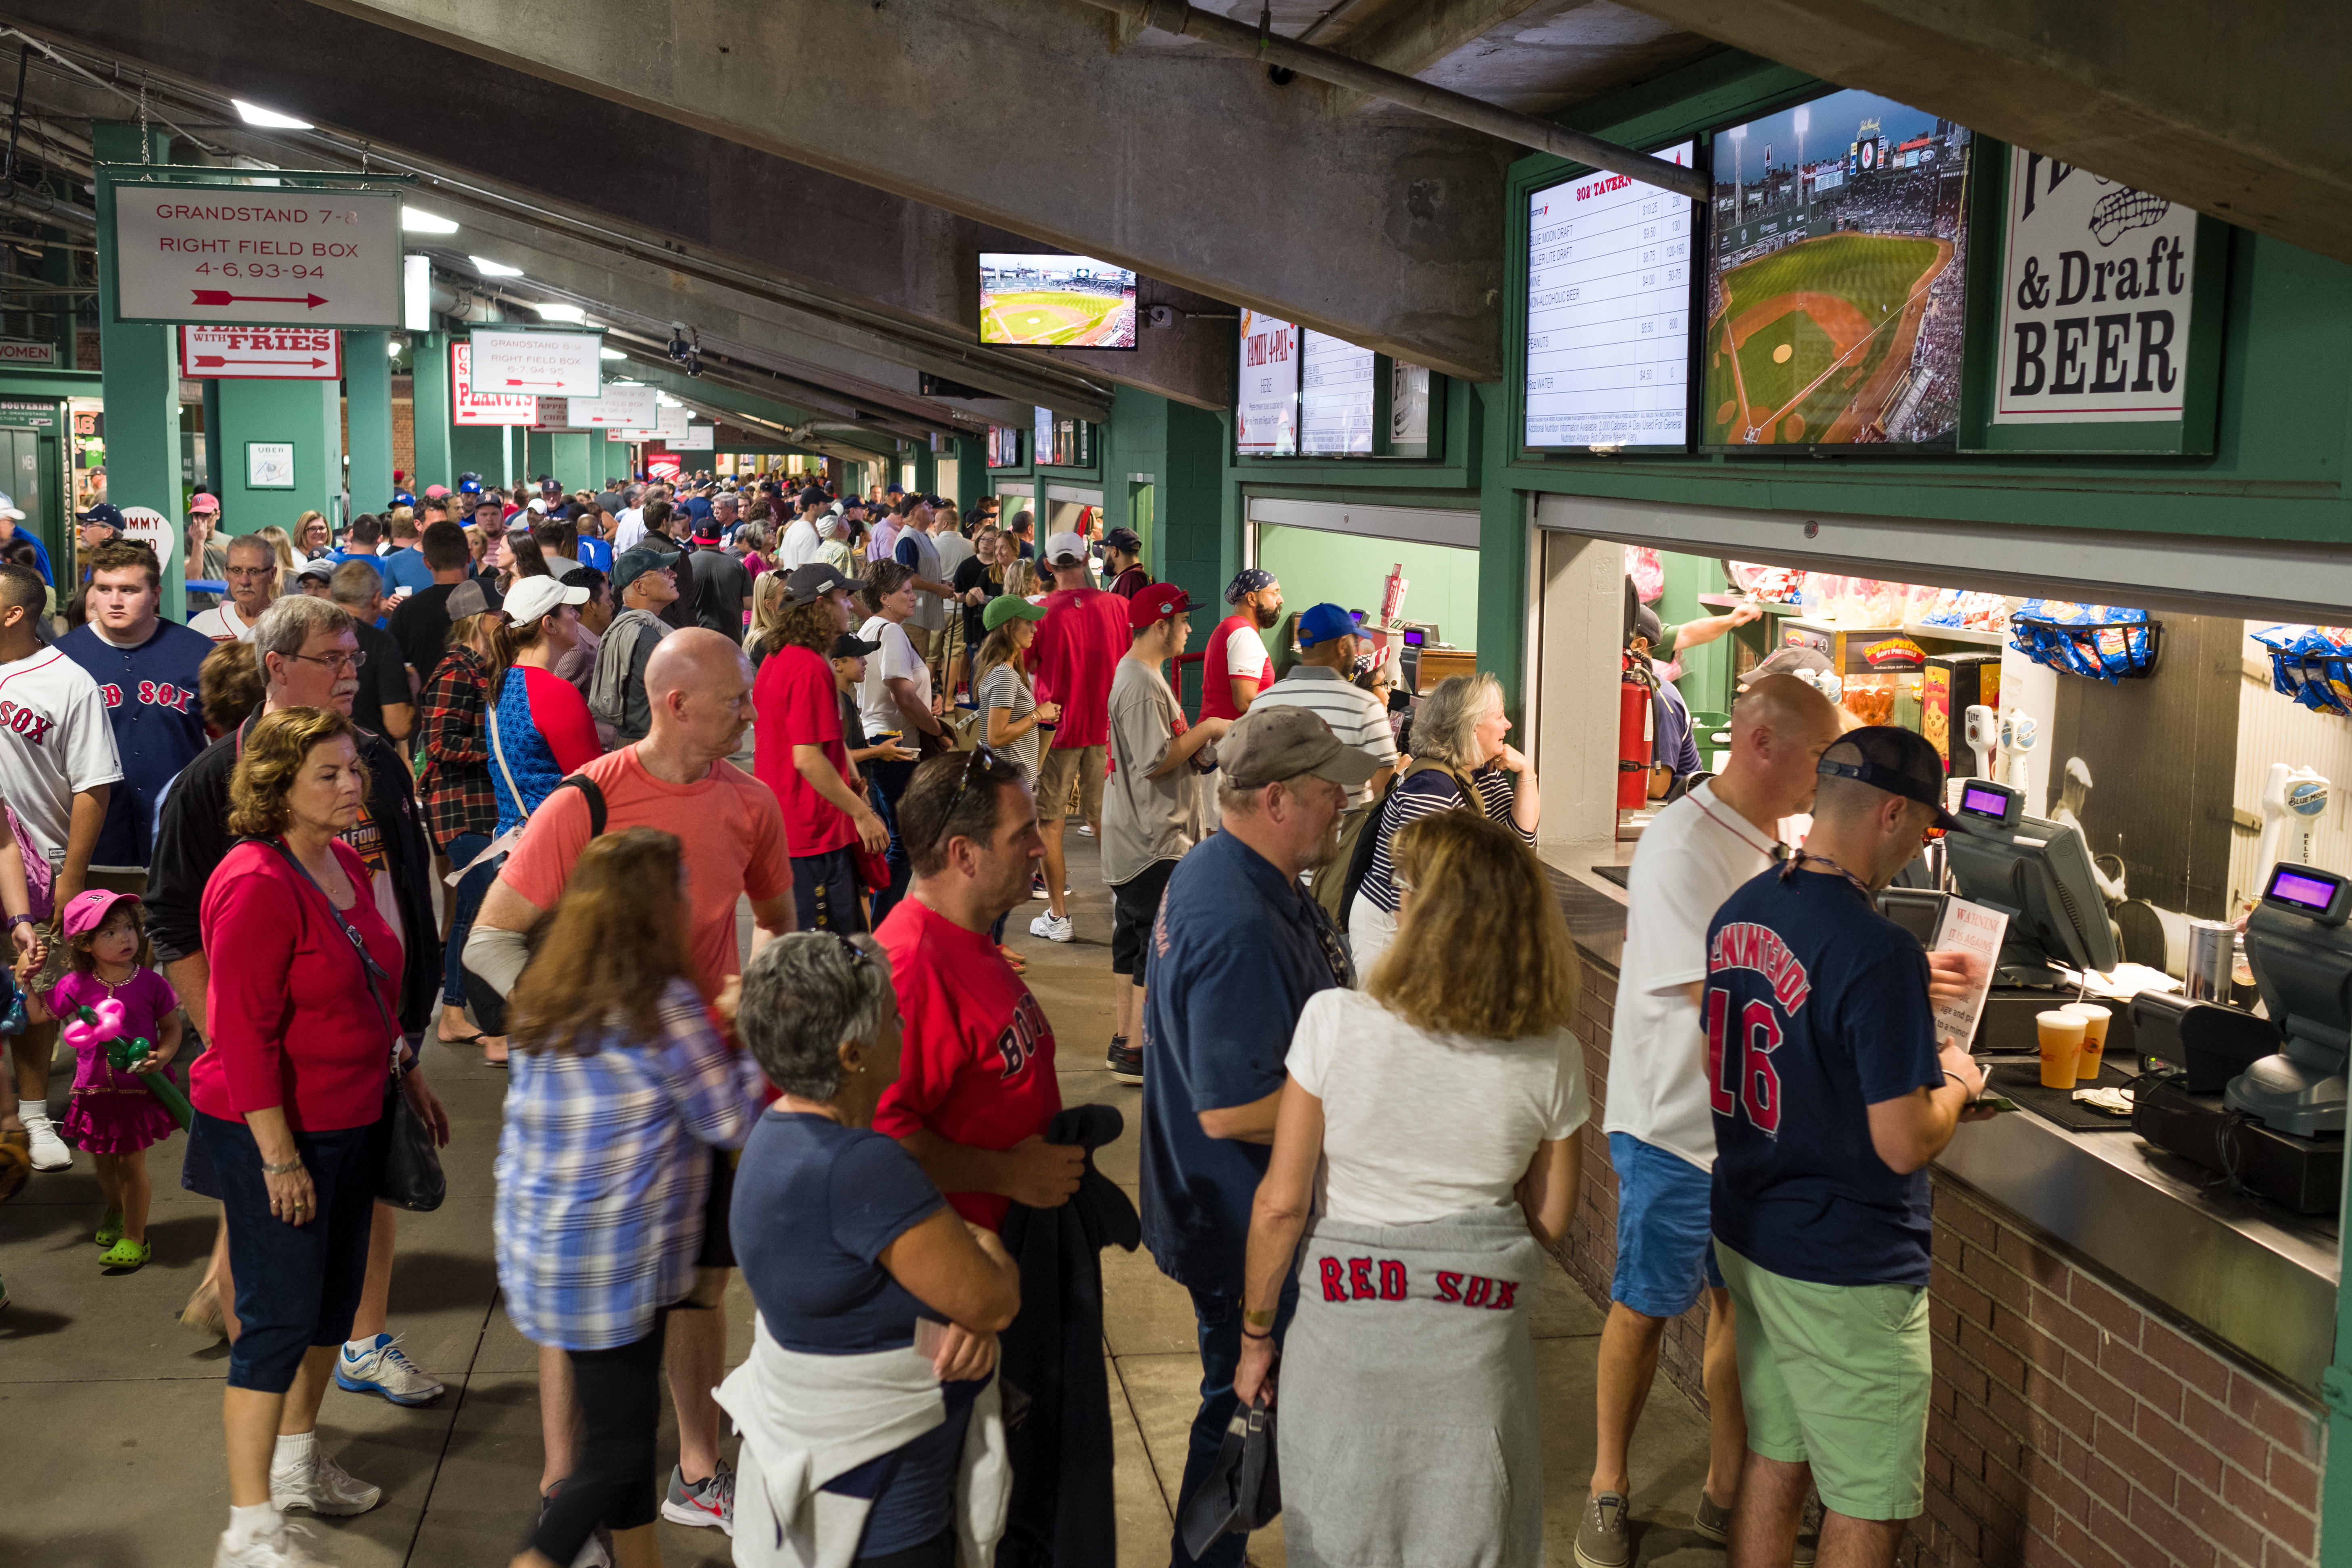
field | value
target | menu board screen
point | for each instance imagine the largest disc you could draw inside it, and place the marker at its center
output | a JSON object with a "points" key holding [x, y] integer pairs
{"points": [[1609, 312], [1335, 396], [1266, 406]]}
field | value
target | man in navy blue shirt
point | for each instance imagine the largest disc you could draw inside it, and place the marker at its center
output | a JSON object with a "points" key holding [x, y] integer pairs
{"points": [[1237, 949], [146, 667], [1829, 1098]]}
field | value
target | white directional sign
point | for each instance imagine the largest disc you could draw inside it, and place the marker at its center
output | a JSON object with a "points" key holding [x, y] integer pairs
{"points": [[672, 420], [257, 255], [551, 365], [271, 353], [620, 408], [699, 438], [467, 406]]}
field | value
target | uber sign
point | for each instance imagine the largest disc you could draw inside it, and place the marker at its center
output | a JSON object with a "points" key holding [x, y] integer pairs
{"points": [[2097, 282]]}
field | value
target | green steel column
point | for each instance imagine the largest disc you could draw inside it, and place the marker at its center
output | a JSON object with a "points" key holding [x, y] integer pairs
{"points": [[1502, 543], [572, 460], [429, 414], [367, 392], [971, 471], [142, 372]]}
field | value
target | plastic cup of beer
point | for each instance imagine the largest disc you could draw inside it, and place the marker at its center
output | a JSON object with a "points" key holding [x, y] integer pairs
{"points": [[2095, 1038], [2061, 1045]]}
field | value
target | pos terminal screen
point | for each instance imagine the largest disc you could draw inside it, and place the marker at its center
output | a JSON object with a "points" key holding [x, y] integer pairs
{"points": [[1988, 802], [2313, 893]]}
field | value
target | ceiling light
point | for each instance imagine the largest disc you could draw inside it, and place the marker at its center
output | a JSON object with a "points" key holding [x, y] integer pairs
{"points": [[393, 346], [571, 314], [610, 353], [667, 401], [253, 114], [490, 268], [416, 220]]}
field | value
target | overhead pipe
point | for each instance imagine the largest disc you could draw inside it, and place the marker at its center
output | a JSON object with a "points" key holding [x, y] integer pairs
{"points": [[1228, 37]]}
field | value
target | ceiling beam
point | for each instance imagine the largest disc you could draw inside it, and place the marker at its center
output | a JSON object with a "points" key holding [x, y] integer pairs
{"points": [[2235, 110], [1023, 114]]}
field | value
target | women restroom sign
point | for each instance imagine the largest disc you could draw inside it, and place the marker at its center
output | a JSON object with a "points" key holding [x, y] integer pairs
{"points": [[256, 255]]}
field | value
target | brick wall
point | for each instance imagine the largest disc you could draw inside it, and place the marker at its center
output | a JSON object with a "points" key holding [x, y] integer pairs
{"points": [[2072, 1426]]}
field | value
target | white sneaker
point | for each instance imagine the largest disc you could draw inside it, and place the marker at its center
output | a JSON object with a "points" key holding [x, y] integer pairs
{"points": [[321, 1485], [277, 1551], [1052, 927], [49, 1151], [375, 1365]]}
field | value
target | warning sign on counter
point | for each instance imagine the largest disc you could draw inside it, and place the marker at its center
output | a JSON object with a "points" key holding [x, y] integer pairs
{"points": [[257, 255], [267, 353]]}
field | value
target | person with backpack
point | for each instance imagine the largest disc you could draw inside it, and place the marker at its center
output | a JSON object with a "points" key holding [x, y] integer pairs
{"points": [[1459, 756]]}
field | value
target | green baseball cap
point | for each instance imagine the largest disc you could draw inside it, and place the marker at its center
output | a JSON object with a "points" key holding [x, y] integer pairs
{"points": [[1010, 607]]}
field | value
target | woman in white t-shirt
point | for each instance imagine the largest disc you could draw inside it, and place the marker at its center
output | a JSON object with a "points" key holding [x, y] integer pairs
{"points": [[1430, 1128]]}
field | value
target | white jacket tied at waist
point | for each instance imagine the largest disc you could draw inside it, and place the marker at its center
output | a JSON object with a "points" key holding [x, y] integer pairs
{"points": [[806, 1419]]}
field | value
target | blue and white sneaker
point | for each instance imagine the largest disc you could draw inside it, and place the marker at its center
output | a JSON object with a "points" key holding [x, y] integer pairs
{"points": [[376, 1366]]}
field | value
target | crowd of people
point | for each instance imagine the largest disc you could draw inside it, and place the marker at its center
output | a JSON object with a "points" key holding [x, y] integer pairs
{"points": [[478, 779]]}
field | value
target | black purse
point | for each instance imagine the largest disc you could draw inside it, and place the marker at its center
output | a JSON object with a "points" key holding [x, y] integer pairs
{"points": [[411, 1177]]}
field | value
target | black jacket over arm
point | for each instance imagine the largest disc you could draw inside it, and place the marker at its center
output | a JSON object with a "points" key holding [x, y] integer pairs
{"points": [[193, 838]]}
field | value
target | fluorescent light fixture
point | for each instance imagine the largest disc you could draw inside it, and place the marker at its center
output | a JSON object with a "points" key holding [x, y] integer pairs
{"points": [[610, 353], [416, 220], [571, 314], [665, 400], [416, 293], [269, 118], [392, 347], [490, 268]]}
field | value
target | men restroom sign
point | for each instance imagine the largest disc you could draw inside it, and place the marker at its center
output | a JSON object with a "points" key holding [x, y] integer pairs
{"points": [[2104, 315]]}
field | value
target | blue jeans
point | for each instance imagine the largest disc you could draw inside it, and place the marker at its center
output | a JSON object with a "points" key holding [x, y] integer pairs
{"points": [[890, 781], [465, 850], [1219, 1319]]}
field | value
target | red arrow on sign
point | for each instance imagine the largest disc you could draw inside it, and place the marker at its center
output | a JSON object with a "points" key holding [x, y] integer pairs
{"points": [[205, 362], [223, 297], [512, 382]]}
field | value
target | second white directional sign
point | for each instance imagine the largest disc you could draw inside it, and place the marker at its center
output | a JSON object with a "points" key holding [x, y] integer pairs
{"points": [[538, 364]]}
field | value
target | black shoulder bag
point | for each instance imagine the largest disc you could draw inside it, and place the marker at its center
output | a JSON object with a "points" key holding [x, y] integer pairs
{"points": [[412, 1177]]}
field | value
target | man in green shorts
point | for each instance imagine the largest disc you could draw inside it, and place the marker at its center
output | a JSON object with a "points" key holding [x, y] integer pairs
{"points": [[1830, 1097]]}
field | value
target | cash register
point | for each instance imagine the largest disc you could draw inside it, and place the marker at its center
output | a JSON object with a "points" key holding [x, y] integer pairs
{"points": [[2038, 873], [2277, 1124]]}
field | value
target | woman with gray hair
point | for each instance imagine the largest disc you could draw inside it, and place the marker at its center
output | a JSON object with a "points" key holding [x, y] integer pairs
{"points": [[869, 1407], [1459, 756]]}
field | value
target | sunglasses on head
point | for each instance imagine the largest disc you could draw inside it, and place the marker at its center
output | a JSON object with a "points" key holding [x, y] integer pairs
{"points": [[989, 762]]}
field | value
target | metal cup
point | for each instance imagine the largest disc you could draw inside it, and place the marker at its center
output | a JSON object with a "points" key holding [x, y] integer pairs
{"points": [[2211, 946]]}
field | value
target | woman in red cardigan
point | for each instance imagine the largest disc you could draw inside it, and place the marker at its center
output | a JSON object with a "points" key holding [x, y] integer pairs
{"points": [[290, 1108]]}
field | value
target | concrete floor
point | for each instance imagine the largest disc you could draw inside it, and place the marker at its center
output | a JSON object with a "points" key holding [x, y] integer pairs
{"points": [[111, 1411]]}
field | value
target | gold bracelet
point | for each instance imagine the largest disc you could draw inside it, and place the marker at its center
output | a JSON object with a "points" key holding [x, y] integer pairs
{"points": [[1257, 1320]]}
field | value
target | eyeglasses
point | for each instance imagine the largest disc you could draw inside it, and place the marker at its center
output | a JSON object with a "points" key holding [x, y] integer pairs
{"points": [[988, 761], [253, 570], [337, 661]]}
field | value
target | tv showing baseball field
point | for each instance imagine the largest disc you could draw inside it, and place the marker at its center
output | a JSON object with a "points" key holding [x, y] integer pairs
{"points": [[1056, 301], [1837, 262]]}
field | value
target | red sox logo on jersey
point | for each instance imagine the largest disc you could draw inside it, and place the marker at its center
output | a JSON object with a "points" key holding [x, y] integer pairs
{"points": [[151, 694], [30, 723], [1386, 1279], [1739, 1072], [1018, 1044]]}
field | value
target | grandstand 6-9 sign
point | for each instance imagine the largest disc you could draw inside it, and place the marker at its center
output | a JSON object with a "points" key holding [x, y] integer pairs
{"points": [[2105, 323]]}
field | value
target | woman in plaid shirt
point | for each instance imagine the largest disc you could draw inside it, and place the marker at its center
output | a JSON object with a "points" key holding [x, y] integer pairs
{"points": [[461, 811], [619, 1082]]}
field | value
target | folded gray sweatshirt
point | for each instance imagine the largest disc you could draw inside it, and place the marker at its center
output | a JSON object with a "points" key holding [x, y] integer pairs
{"points": [[1406, 1420]]}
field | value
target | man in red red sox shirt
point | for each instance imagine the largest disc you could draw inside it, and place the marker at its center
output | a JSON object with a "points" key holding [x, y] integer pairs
{"points": [[976, 1084], [1077, 651]]}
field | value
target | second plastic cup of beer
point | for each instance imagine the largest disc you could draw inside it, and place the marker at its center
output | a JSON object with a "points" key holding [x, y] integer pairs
{"points": [[2095, 1038], [2061, 1045]]}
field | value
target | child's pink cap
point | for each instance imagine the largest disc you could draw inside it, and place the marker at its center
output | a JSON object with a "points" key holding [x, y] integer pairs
{"points": [[86, 912]]}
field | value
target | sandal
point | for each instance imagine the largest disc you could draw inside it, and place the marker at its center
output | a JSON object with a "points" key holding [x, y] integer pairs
{"points": [[110, 1228], [460, 1041], [126, 1255]]}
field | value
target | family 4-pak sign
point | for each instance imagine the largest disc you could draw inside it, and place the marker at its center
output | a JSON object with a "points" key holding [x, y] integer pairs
{"points": [[261, 353]]}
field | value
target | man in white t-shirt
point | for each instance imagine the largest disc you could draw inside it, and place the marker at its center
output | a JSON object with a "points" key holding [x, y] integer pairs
{"points": [[252, 584], [802, 536], [629, 523], [1698, 851], [57, 772], [894, 696]]}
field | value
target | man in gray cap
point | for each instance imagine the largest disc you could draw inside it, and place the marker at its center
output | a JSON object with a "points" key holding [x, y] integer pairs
{"points": [[1237, 949], [646, 581]]}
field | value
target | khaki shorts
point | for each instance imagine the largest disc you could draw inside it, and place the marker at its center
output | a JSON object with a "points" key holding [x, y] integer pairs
{"points": [[1837, 1377], [1083, 765]]}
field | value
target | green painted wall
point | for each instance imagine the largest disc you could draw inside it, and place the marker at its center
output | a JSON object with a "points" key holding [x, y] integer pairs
{"points": [[430, 415], [477, 448], [571, 459], [367, 393], [1349, 570], [141, 381], [306, 413]]}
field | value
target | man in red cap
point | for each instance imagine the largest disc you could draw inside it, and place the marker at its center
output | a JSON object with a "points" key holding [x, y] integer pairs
{"points": [[1151, 803], [1078, 645], [207, 557]]}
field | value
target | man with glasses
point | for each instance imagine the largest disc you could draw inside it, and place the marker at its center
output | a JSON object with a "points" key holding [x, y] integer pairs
{"points": [[1236, 950], [976, 1084], [252, 584]]}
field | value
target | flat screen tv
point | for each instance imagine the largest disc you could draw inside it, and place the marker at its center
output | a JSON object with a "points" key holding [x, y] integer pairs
{"points": [[1836, 270], [1037, 301]]}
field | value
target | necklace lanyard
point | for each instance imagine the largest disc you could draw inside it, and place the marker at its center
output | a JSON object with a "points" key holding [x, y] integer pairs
{"points": [[1774, 853], [1796, 857]]}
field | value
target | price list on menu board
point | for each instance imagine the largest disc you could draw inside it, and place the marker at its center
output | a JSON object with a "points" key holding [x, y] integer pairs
{"points": [[1609, 312]]}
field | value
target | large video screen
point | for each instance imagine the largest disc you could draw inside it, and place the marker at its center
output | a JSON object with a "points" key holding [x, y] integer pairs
{"points": [[1609, 312], [1056, 301], [1836, 264]]}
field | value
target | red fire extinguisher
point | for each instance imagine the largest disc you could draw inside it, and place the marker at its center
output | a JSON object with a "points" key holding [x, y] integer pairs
{"points": [[1636, 732]]}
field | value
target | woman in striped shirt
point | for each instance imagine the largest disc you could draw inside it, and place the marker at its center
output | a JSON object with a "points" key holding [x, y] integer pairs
{"points": [[1457, 747]]}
